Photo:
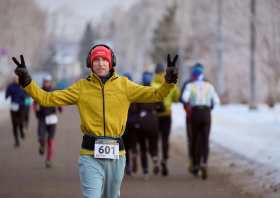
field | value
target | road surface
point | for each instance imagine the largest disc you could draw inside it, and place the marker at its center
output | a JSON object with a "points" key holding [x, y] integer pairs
{"points": [[23, 173]]}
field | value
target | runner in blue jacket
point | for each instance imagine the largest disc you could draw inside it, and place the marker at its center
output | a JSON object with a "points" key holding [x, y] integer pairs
{"points": [[17, 108]]}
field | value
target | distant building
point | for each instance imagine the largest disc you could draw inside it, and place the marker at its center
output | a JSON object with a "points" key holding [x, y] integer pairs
{"points": [[66, 64]]}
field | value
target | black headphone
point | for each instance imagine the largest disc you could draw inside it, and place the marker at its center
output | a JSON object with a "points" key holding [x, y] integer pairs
{"points": [[113, 58]]}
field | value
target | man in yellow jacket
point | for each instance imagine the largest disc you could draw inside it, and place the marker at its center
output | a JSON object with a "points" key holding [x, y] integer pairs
{"points": [[103, 100], [164, 118]]}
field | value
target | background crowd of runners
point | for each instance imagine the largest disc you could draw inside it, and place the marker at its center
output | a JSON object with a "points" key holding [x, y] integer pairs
{"points": [[148, 125]]}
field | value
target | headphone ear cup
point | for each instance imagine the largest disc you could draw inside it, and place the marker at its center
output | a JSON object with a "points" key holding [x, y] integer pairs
{"points": [[113, 61], [88, 62]]}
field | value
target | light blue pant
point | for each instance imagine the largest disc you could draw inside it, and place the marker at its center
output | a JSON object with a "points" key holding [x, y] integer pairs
{"points": [[101, 177]]}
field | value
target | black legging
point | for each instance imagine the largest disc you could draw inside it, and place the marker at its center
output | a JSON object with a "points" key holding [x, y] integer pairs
{"points": [[201, 123], [152, 136], [43, 127], [17, 121], [130, 139], [189, 135], [164, 129], [26, 115]]}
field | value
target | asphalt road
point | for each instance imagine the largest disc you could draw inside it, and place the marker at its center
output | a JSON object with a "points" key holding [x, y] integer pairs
{"points": [[23, 173]]}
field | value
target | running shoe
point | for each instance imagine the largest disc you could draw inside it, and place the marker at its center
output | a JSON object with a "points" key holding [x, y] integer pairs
{"points": [[204, 172], [17, 144], [145, 177], [41, 150], [48, 163], [155, 162], [127, 171], [134, 164], [195, 171], [164, 171], [22, 135], [128, 174]]}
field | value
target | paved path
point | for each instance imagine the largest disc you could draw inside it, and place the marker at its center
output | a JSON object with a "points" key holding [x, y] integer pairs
{"points": [[23, 173]]}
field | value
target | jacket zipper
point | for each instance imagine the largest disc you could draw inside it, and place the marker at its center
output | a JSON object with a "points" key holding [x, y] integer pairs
{"points": [[104, 104], [103, 107]]}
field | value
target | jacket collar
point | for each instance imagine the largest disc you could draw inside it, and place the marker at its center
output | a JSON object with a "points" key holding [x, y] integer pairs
{"points": [[94, 78]]}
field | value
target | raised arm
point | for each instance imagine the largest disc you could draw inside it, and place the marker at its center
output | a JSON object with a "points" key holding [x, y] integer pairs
{"points": [[145, 94], [64, 97], [68, 96]]}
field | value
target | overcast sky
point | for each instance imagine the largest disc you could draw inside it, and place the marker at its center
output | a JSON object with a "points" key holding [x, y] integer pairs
{"points": [[74, 14]]}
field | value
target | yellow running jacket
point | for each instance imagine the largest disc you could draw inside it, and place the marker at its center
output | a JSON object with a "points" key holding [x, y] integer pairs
{"points": [[103, 108]]}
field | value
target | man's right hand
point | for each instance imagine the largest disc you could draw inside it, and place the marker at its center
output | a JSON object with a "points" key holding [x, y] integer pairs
{"points": [[21, 72]]}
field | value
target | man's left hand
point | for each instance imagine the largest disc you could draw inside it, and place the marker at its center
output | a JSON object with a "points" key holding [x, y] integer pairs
{"points": [[172, 70]]}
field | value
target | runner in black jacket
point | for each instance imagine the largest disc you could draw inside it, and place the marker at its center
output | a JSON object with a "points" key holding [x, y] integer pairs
{"points": [[130, 135], [148, 129], [47, 122], [17, 108]]}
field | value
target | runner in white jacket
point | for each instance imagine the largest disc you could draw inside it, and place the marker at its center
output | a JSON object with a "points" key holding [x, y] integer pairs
{"points": [[201, 95]]}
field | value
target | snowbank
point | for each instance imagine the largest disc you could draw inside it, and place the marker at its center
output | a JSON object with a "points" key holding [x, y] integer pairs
{"points": [[254, 134]]}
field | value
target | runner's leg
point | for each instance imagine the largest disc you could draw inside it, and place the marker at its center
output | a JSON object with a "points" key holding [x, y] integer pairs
{"points": [[92, 176], [21, 118], [14, 123], [142, 141], [205, 135], [195, 139], [41, 134], [114, 171], [51, 132], [164, 126]]}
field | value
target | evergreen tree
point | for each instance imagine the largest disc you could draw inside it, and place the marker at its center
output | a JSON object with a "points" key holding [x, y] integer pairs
{"points": [[85, 45], [166, 36]]}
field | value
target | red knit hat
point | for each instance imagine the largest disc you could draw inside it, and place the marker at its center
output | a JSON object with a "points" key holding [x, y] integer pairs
{"points": [[101, 51]]}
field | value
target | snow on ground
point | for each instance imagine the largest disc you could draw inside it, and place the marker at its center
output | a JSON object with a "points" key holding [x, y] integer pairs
{"points": [[254, 134], [3, 102]]}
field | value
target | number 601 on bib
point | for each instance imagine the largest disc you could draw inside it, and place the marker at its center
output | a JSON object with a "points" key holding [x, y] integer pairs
{"points": [[105, 148]]}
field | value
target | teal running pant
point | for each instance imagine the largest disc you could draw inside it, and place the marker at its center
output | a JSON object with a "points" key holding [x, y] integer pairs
{"points": [[101, 178]]}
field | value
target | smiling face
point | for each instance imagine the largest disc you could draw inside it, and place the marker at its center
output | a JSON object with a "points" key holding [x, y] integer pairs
{"points": [[100, 66]]}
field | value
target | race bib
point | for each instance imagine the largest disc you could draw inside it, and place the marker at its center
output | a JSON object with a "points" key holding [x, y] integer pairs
{"points": [[105, 148], [51, 119], [14, 107]]}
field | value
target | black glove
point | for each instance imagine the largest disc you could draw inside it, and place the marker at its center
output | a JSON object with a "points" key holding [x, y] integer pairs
{"points": [[60, 109], [21, 72], [172, 70]]}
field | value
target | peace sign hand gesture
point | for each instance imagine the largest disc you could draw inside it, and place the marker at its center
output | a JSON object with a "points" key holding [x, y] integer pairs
{"points": [[172, 70], [21, 72]]}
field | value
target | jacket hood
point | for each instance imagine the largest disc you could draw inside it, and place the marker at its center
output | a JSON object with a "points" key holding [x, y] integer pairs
{"points": [[159, 77]]}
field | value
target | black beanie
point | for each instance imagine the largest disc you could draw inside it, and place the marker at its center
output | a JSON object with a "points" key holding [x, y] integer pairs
{"points": [[160, 67]]}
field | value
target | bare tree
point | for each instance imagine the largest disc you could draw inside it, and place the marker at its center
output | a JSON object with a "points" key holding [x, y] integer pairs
{"points": [[22, 26]]}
